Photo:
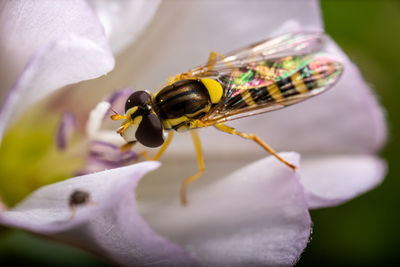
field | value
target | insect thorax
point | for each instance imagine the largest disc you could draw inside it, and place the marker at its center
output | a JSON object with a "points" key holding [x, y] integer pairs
{"points": [[181, 103]]}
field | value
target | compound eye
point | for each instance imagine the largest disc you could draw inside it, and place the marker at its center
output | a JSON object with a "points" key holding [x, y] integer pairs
{"points": [[150, 131], [139, 98]]}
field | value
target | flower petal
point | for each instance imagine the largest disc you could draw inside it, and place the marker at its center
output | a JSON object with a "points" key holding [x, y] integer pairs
{"points": [[109, 227], [256, 216], [332, 180], [48, 45], [123, 21]]}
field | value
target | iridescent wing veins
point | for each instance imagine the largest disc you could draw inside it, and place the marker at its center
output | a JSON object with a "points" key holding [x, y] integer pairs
{"points": [[290, 44], [269, 75], [270, 85]]}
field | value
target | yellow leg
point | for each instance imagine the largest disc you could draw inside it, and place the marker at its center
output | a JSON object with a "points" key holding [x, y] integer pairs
{"points": [[73, 211], [212, 59], [128, 146], [73, 208], [178, 77], [116, 117], [164, 146], [200, 162], [214, 56], [144, 153], [122, 128], [230, 130]]}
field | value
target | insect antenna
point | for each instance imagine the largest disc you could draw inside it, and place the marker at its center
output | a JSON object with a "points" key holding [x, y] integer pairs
{"points": [[116, 113], [117, 116]]}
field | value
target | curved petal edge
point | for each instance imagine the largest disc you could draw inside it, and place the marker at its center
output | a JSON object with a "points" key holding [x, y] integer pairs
{"points": [[332, 180], [108, 225]]}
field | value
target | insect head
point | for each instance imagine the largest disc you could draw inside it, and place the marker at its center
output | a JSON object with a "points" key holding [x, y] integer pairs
{"points": [[142, 123]]}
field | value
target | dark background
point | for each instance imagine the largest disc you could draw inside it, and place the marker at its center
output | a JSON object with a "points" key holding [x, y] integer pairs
{"points": [[364, 231]]}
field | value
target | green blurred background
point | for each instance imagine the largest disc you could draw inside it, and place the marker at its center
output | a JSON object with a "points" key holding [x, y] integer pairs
{"points": [[364, 231]]}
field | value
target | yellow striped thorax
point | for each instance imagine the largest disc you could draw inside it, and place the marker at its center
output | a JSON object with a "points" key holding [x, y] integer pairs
{"points": [[178, 105]]}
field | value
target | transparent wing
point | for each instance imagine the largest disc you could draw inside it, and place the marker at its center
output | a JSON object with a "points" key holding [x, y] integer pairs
{"points": [[291, 44], [264, 86]]}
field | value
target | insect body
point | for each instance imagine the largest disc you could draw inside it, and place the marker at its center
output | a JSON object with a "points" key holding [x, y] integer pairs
{"points": [[78, 198], [182, 103], [263, 77]]}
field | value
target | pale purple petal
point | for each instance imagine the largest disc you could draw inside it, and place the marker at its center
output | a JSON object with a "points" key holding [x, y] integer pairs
{"points": [[109, 226], [28, 26], [123, 21], [256, 216], [332, 180], [65, 130], [47, 45]]}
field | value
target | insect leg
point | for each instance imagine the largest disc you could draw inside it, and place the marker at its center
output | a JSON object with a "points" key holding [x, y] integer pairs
{"points": [[116, 117], [230, 130], [73, 211], [144, 153], [124, 126], [164, 146], [187, 75], [200, 162], [178, 77], [128, 146], [212, 59]]}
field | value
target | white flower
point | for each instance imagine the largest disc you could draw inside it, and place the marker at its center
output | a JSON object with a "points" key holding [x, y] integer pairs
{"points": [[258, 215]]}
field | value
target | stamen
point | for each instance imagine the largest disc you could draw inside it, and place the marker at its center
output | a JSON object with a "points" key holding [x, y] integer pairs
{"points": [[65, 130], [95, 119], [104, 155]]}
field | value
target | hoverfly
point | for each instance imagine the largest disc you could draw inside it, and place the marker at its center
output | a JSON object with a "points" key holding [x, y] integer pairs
{"points": [[266, 76]]}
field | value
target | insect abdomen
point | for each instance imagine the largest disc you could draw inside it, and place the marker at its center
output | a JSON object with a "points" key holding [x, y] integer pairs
{"points": [[311, 79], [181, 101]]}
